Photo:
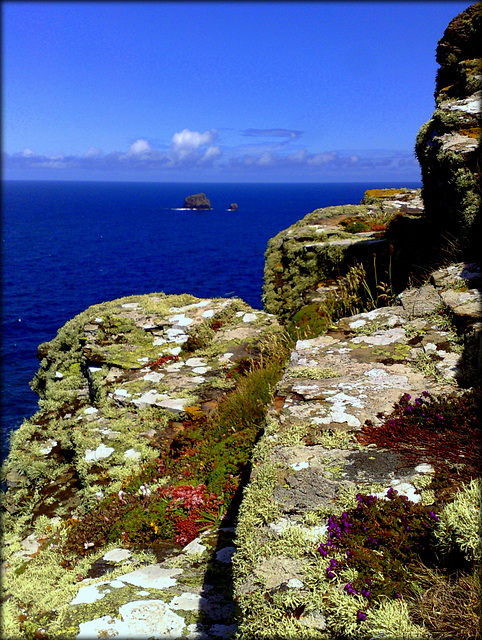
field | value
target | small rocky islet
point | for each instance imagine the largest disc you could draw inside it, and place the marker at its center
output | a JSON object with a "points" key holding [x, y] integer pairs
{"points": [[197, 201], [201, 469]]}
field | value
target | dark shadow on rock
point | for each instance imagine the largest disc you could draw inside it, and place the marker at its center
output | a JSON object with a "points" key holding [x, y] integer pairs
{"points": [[221, 619]]}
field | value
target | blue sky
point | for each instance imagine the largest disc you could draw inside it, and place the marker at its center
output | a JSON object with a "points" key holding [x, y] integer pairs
{"points": [[218, 91]]}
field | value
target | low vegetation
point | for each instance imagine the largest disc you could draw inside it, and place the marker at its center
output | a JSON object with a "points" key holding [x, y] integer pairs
{"points": [[192, 484]]}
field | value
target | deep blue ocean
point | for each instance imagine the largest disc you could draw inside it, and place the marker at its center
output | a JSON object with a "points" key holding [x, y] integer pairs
{"points": [[68, 245]]}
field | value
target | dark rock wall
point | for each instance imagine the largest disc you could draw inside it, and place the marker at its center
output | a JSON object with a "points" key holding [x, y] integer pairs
{"points": [[448, 145]]}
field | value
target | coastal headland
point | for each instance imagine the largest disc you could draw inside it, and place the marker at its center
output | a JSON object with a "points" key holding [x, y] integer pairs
{"points": [[201, 469]]}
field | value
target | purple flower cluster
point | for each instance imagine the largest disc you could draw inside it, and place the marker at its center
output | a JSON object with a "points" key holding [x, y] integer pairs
{"points": [[364, 590], [329, 571], [336, 527], [394, 525]]}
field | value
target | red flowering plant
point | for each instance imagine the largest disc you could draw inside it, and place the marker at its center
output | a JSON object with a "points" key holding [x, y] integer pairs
{"points": [[186, 507]]}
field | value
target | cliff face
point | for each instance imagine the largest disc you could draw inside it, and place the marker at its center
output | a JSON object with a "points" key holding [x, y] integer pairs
{"points": [[313, 267], [448, 145]]}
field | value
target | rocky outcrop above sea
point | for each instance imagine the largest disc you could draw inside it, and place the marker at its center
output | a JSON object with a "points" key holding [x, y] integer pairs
{"points": [[197, 201], [363, 489], [306, 263], [448, 145], [233, 207], [115, 386], [125, 388]]}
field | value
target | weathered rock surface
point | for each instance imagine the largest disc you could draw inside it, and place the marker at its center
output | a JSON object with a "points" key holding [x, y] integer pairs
{"points": [[447, 145], [115, 385], [306, 261], [133, 595], [309, 461], [197, 201]]}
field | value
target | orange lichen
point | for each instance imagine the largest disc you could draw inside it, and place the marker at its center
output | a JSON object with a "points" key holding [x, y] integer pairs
{"points": [[380, 193], [473, 132]]}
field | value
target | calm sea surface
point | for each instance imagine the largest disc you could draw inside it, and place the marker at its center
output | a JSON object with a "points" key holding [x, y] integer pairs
{"points": [[68, 245]]}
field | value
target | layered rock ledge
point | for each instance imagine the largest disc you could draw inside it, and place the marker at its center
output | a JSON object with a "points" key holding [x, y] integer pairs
{"points": [[306, 262]]}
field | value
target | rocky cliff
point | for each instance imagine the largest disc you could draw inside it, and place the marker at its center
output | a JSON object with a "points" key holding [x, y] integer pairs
{"points": [[448, 145], [196, 470]]}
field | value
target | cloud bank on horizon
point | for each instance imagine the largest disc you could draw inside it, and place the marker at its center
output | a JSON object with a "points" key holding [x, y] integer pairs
{"points": [[196, 151], [220, 92]]}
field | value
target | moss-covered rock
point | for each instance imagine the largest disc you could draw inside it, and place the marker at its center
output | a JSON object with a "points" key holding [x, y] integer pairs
{"points": [[313, 261], [337, 517], [448, 146], [116, 384]]}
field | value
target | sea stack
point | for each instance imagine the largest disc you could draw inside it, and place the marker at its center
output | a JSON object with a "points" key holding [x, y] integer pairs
{"points": [[233, 207], [197, 201]]}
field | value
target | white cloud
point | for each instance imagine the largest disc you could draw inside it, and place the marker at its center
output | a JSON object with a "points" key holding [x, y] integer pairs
{"points": [[139, 147], [197, 152], [192, 139], [211, 154], [266, 160], [93, 153], [320, 159], [186, 145]]}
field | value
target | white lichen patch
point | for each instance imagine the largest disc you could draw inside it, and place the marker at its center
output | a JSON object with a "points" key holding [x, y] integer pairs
{"points": [[297, 466], [357, 324], [188, 602], [140, 619], [151, 397], [153, 576], [47, 447], [424, 467], [89, 594], [338, 413], [121, 393], [117, 555], [468, 105], [175, 404], [381, 379], [181, 320], [382, 337], [92, 455], [154, 376], [132, 454], [195, 362], [404, 488], [194, 546]]}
